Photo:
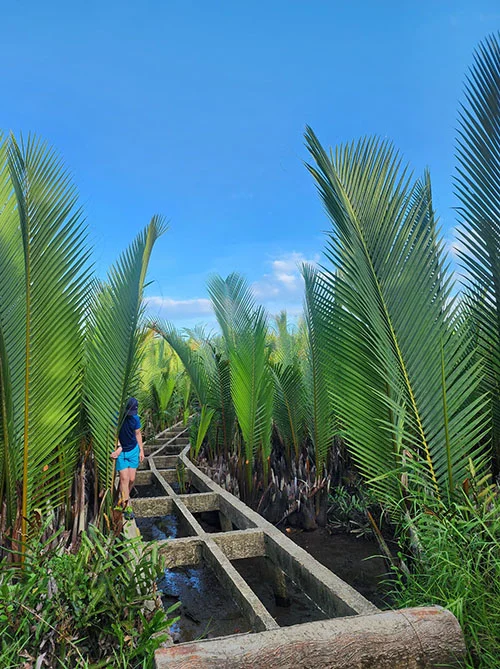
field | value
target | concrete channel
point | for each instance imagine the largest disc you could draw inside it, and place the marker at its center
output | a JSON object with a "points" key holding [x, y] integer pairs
{"points": [[241, 552]]}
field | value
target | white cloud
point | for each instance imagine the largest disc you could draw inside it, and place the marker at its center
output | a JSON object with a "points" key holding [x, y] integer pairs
{"points": [[284, 281], [173, 309], [287, 279], [282, 287]]}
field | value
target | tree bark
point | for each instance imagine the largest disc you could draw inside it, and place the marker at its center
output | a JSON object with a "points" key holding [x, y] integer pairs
{"points": [[406, 639]]}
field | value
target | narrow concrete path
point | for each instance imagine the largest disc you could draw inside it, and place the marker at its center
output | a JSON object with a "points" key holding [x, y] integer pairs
{"points": [[245, 534]]}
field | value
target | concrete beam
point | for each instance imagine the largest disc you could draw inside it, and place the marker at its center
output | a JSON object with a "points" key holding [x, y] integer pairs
{"points": [[235, 515], [144, 477], [181, 552], [333, 595], [171, 475], [147, 507], [200, 502], [170, 441], [241, 544], [199, 482], [161, 481], [247, 601], [165, 461], [187, 517]]}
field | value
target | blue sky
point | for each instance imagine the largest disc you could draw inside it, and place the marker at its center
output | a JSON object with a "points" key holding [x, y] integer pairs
{"points": [[196, 110]]}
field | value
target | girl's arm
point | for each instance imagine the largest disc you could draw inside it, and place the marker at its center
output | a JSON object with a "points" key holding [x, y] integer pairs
{"points": [[116, 453], [138, 436]]}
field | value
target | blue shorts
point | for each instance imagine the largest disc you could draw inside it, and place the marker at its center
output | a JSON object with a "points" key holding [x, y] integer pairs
{"points": [[128, 459]]}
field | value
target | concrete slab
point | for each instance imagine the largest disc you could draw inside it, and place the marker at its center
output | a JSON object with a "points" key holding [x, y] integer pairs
{"points": [[241, 544], [181, 552], [200, 502], [147, 507]]}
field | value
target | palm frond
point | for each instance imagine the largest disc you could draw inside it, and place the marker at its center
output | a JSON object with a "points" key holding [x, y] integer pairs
{"points": [[233, 303], [245, 329], [195, 366], [12, 329], [400, 349], [221, 398], [206, 416], [286, 344], [45, 353], [477, 187], [289, 405], [113, 345], [319, 367]]}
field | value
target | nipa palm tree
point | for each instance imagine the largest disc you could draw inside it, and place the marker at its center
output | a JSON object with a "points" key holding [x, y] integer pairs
{"points": [[245, 330], [406, 378], [289, 410], [57, 329], [478, 189], [44, 279], [113, 347]]}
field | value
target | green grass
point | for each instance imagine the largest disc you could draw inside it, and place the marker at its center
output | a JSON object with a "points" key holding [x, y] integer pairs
{"points": [[82, 609], [458, 567]]}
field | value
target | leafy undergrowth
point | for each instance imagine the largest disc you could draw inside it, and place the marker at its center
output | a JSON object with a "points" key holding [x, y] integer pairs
{"points": [[348, 507], [459, 568], [82, 609]]}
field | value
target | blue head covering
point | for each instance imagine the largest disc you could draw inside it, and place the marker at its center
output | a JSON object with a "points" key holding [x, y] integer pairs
{"points": [[131, 407]]}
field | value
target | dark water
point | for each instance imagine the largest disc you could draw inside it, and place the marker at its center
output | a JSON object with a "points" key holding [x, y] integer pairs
{"points": [[356, 561], [153, 489], [206, 610], [188, 488], [158, 528], [210, 521], [301, 609]]}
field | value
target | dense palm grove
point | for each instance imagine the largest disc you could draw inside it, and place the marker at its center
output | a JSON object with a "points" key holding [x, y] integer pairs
{"points": [[390, 378]]}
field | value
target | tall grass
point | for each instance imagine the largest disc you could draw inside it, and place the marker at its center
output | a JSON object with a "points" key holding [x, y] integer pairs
{"points": [[457, 565]]}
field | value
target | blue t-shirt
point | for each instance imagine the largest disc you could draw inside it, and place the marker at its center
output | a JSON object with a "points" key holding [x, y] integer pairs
{"points": [[126, 436]]}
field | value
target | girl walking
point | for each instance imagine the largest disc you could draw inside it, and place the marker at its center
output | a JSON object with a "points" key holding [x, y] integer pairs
{"points": [[129, 453]]}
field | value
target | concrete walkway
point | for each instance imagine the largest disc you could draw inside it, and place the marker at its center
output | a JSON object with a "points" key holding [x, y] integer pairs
{"points": [[245, 534]]}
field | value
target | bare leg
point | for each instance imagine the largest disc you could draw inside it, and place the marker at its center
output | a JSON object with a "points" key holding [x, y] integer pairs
{"points": [[131, 479], [124, 486]]}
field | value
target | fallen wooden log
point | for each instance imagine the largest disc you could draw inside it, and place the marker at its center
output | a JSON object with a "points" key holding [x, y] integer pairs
{"points": [[415, 638]]}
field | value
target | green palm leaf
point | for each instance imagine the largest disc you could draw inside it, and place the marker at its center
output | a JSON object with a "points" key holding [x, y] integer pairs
{"points": [[12, 327], [113, 345], [286, 342], [289, 405], [221, 398], [400, 344], [320, 414], [478, 189], [43, 250], [245, 331], [196, 367], [206, 416]]}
